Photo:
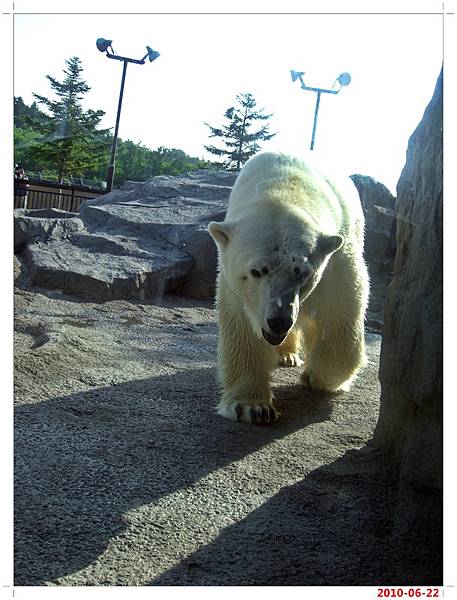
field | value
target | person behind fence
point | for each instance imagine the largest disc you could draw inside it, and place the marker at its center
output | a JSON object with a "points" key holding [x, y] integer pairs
{"points": [[20, 184]]}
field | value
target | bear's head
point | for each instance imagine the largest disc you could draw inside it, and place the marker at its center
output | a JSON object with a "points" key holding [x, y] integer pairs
{"points": [[272, 265]]}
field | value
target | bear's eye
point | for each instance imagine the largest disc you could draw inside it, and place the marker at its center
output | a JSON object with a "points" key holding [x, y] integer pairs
{"points": [[256, 273]]}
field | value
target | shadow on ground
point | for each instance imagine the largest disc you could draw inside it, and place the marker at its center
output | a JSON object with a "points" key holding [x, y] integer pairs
{"points": [[344, 524], [84, 460]]}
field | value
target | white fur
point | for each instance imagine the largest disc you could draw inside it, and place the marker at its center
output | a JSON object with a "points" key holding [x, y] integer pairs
{"points": [[292, 241]]}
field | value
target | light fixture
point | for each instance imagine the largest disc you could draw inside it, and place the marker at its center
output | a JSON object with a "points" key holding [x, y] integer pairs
{"points": [[103, 44], [151, 54], [296, 75], [343, 79]]}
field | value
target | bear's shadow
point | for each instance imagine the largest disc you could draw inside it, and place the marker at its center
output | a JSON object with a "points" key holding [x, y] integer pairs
{"points": [[85, 459]]}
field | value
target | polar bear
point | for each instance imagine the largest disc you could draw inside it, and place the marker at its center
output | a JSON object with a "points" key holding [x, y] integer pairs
{"points": [[292, 281]]}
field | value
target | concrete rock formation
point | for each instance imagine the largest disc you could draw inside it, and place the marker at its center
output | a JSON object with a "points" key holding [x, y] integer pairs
{"points": [[412, 359], [148, 239], [380, 231], [409, 431], [31, 226], [139, 242]]}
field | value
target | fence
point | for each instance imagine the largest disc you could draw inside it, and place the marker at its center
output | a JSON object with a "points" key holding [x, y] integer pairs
{"points": [[68, 180], [47, 194]]}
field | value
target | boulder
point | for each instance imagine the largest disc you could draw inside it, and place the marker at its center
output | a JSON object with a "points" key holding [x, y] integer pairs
{"points": [[139, 242], [410, 423], [150, 238], [380, 230], [409, 430], [379, 209], [42, 225]]}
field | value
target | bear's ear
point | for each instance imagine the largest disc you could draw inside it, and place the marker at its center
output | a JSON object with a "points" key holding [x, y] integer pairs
{"points": [[220, 232], [330, 243]]}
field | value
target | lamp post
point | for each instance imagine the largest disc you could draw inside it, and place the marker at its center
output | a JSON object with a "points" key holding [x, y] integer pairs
{"points": [[103, 46], [343, 79]]}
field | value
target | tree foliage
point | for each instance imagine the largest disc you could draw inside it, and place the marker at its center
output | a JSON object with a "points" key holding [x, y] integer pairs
{"points": [[26, 136], [64, 140], [134, 161], [69, 137], [239, 140], [25, 115]]}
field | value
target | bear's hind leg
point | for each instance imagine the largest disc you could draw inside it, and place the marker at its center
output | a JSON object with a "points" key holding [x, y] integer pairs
{"points": [[337, 354]]}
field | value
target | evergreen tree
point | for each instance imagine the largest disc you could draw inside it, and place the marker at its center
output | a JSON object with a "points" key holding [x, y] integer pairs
{"points": [[25, 115], [26, 135], [240, 142], [138, 163], [24, 139], [134, 161], [71, 140]]}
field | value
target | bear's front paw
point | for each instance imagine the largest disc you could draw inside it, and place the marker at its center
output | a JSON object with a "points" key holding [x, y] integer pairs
{"points": [[256, 414], [290, 360]]}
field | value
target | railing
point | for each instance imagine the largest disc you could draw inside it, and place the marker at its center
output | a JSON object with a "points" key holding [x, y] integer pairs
{"points": [[47, 194], [67, 180]]}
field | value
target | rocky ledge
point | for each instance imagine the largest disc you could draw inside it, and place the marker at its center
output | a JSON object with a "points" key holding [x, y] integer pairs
{"points": [[142, 241], [150, 239]]}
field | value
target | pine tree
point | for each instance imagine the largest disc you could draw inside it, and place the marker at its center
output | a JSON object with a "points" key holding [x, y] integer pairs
{"points": [[25, 115], [72, 142], [240, 142]]}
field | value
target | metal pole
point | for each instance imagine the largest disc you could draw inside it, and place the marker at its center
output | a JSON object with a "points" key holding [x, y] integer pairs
{"points": [[110, 176], [318, 99]]}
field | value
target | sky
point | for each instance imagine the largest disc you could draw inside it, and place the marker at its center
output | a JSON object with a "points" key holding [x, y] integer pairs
{"points": [[207, 59]]}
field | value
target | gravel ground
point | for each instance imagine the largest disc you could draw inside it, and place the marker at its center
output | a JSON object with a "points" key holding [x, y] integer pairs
{"points": [[125, 475]]}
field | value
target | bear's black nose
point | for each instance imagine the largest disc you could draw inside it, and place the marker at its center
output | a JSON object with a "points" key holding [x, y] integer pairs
{"points": [[280, 324]]}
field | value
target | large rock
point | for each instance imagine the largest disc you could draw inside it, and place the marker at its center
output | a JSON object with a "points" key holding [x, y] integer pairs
{"points": [[142, 241], [379, 209], [43, 225], [409, 430], [380, 230], [148, 239], [410, 424]]}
